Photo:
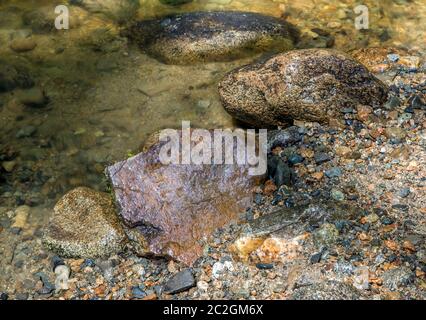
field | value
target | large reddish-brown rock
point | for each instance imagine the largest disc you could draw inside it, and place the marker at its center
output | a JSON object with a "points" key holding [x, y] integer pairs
{"points": [[170, 209]]}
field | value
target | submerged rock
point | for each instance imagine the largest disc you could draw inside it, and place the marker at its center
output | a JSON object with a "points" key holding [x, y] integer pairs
{"points": [[175, 2], [168, 209], [120, 10], [309, 85], [84, 225], [12, 77], [34, 97], [212, 36]]}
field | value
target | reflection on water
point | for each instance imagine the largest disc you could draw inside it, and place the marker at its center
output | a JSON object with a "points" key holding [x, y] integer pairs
{"points": [[105, 96]]}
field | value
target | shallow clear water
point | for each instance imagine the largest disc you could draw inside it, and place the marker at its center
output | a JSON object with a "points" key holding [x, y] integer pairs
{"points": [[106, 96]]}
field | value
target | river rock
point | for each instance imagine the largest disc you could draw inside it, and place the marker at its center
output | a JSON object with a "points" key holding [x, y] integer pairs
{"points": [[34, 97], [329, 290], [84, 225], [120, 10], [383, 59], [180, 282], [23, 44], [175, 2], [12, 77], [212, 36], [40, 20], [280, 236], [168, 209], [308, 85]]}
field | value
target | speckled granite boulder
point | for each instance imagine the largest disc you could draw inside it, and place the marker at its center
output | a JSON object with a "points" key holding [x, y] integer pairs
{"points": [[84, 225], [169, 209], [212, 36], [310, 85]]}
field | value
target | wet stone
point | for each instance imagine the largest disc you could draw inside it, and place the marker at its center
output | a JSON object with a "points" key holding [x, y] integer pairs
{"points": [[84, 225], [397, 278], [321, 158], [307, 85], [212, 36], [181, 281], [168, 208], [330, 290]]}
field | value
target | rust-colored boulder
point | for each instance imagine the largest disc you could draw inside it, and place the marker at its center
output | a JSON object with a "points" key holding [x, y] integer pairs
{"points": [[170, 209], [309, 85]]}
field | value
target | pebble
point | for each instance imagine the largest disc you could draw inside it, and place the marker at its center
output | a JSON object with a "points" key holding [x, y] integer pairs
{"points": [[4, 296], [8, 166], [326, 235], [404, 193], [34, 97], [397, 278], [181, 281], [26, 132], [23, 44], [220, 268], [321, 158], [337, 195], [333, 172], [62, 276], [138, 293], [264, 266], [202, 286]]}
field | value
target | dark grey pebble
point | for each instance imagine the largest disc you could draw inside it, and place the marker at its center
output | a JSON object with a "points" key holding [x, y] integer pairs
{"points": [[264, 266], [333, 172], [138, 293], [180, 282], [321, 157]]}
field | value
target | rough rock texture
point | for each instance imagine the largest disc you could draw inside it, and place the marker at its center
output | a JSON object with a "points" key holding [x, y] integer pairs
{"points": [[331, 290], [382, 59], [168, 209], [280, 236], [212, 36], [181, 281], [12, 77], [84, 225], [310, 85]]}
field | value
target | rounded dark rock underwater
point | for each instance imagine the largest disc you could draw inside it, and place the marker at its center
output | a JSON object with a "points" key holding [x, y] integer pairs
{"points": [[310, 85], [175, 2], [212, 36]]}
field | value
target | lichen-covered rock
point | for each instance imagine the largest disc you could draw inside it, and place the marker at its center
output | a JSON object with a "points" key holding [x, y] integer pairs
{"points": [[310, 85], [84, 225], [212, 36], [169, 208]]}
